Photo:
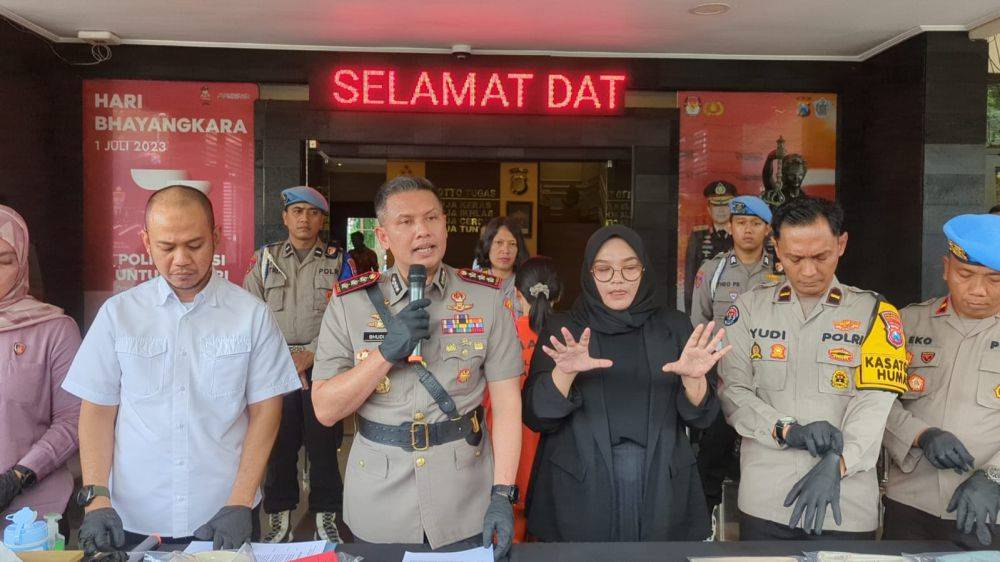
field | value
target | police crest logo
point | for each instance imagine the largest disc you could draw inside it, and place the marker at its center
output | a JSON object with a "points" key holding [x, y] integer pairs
{"points": [[927, 356], [20, 348], [958, 251], [458, 298], [839, 380], [893, 328], [464, 375], [915, 383], [732, 315], [779, 352], [755, 352], [996, 391]]}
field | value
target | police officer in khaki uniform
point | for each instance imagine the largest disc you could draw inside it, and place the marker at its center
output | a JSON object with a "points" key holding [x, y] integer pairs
{"points": [[295, 278], [707, 241], [422, 465], [716, 286], [814, 370], [942, 434]]}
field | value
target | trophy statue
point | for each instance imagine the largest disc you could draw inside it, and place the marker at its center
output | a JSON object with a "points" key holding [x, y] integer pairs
{"points": [[782, 176]]}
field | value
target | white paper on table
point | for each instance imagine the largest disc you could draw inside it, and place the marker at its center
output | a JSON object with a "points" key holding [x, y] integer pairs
{"points": [[268, 552], [478, 554]]}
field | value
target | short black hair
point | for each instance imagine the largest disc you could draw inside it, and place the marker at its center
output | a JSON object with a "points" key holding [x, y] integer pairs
{"points": [[489, 232], [183, 193], [357, 237], [995, 209], [399, 185], [807, 210]]}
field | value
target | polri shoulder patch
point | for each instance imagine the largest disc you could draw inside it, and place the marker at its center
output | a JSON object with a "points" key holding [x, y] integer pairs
{"points": [[479, 278], [361, 281]]}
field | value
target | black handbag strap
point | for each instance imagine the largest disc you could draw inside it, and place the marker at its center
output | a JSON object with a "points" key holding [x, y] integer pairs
{"points": [[426, 378]]}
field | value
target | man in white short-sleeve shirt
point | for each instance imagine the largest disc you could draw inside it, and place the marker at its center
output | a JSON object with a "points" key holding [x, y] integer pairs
{"points": [[181, 379]]}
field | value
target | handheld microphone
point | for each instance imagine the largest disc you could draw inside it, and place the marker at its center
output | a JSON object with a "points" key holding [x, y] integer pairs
{"points": [[418, 278]]}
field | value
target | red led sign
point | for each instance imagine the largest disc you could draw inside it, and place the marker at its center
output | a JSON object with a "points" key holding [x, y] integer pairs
{"points": [[474, 90]]}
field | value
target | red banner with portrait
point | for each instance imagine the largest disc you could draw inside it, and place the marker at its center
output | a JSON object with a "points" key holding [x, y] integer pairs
{"points": [[774, 145], [141, 136]]}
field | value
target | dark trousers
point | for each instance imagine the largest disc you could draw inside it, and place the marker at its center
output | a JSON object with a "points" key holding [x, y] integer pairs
{"points": [[299, 426], [169, 544], [717, 459], [905, 523], [757, 529], [628, 461]]}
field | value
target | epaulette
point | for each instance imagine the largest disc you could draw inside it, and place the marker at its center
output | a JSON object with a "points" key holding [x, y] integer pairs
{"points": [[479, 278], [352, 284]]}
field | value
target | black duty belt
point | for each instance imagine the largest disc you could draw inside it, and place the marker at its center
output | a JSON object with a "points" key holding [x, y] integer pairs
{"points": [[420, 436]]}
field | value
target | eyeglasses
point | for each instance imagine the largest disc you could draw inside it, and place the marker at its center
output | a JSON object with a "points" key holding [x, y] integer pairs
{"points": [[605, 273]]}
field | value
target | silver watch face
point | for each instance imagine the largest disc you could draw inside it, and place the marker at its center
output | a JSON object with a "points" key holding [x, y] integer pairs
{"points": [[787, 421]]}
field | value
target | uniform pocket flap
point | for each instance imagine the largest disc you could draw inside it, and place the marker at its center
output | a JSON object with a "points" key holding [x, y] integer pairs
{"points": [[371, 461], [990, 362], [142, 346], [463, 348], [222, 346]]}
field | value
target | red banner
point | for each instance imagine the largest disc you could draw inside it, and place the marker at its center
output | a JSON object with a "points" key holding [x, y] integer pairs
{"points": [[734, 138], [141, 136]]}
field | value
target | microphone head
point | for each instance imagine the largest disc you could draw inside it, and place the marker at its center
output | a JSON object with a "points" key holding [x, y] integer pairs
{"points": [[418, 275]]}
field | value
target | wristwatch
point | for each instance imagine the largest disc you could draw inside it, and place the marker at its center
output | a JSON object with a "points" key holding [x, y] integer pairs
{"points": [[508, 491], [26, 475], [779, 429], [89, 493], [993, 473]]}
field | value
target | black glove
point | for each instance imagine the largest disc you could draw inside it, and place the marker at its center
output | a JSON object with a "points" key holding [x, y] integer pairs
{"points": [[227, 529], [945, 451], [101, 531], [813, 492], [818, 437], [500, 520], [10, 487], [405, 330], [977, 501]]}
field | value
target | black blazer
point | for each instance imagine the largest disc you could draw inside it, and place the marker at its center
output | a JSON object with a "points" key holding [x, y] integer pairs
{"points": [[571, 497]]}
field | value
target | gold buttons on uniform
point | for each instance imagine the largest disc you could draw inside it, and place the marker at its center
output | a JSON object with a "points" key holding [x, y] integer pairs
{"points": [[419, 416], [477, 453], [421, 462]]}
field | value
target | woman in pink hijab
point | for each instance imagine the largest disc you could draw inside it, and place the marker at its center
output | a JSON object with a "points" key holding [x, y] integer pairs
{"points": [[38, 418]]}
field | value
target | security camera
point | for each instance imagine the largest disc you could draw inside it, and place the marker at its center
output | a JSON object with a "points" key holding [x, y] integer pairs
{"points": [[461, 51]]}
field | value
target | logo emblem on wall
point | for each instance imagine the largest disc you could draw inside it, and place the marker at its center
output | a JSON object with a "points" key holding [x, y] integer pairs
{"points": [[821, 107], [518, 181], [692, 105], [714, 108], [206, 97], [803, 108]]}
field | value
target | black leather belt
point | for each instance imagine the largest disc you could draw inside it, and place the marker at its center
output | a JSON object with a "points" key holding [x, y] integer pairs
{"points": [[420, 436]]}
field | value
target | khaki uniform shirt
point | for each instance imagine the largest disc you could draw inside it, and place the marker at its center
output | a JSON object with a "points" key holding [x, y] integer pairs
{"points": [[392, 495], [721, 280], [295, 291], [787, 364], [954, 384]]}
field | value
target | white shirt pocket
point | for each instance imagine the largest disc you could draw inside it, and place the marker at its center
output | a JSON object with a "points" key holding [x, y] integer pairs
{"points": [[143, 363]]}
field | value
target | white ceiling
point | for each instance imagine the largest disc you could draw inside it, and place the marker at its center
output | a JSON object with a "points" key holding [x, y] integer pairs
{"points": [[752, 29]]}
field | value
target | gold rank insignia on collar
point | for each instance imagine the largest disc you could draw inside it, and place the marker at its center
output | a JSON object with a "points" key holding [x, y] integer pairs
{"points": [[785, 294], [834, 297], [361, 281], [479, 278], [942, 308]]}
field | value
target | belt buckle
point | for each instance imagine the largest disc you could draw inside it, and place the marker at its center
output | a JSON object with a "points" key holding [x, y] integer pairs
{"points": [[413, 436]]}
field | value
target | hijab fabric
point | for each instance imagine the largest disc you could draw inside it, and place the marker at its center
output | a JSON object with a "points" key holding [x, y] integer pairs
{"points": [[18, 309], [590, 310]]}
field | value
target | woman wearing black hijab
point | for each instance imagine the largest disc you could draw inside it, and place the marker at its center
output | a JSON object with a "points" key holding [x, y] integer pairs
{"points": [[611, 398]]}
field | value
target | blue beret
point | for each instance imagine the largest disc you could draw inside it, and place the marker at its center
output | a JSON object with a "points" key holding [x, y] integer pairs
{"points": [[751, 206], [974, 239], [305, 194]]}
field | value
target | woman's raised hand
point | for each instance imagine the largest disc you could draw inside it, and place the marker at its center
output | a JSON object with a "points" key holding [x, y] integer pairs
{"points": [[700, 354], [573, 356]]}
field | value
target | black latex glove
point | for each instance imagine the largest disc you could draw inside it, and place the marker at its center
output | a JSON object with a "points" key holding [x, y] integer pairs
{"points": [[227, 529], [500, 520], [405, 330], [101, 531], [10, 487], [817, 437], [977, 501], [945, 451], [813, 492]]}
